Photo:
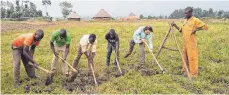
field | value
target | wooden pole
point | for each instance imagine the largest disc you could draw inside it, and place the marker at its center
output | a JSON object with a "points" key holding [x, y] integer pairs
{"points": [[163, 42], [155, 59], [93, 73], [43, 69], [185, 65], [74, 70], [116, 58]]}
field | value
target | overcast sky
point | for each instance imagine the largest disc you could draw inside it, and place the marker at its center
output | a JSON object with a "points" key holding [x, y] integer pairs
{"points": [[117, 8]]}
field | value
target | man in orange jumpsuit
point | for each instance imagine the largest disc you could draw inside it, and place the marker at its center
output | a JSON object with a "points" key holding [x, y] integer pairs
{"points": [[188, 30]]}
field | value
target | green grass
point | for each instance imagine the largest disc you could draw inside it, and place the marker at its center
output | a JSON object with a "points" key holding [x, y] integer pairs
{"points": [[213, 47]]}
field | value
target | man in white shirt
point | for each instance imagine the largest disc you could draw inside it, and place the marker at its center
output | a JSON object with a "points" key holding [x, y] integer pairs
{"points": [[87, 46]]}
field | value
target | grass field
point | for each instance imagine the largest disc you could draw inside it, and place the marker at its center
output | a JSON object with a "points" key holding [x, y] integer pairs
{"points": [[213, 47]]}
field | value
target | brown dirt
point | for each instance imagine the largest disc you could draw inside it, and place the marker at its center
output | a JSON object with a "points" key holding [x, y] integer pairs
{"points": [[12, 26], [85, 79], [27, 89], [143, 69], [218, 91], [32, 86], [219, 80]]}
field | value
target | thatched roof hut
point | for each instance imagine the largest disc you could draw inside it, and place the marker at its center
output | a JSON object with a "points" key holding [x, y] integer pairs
{"points": [[73, 17], [102, 15], [132, 17]]}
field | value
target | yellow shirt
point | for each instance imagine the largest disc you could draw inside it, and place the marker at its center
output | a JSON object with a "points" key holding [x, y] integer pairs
{"points": [[190, 25], [85, 44]]}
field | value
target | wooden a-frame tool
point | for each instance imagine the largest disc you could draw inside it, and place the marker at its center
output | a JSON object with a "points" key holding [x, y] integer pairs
{"points": [[163, 43]]}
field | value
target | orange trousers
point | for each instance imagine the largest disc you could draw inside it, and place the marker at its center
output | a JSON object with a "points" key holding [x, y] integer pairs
{"points": [[190, 54]]}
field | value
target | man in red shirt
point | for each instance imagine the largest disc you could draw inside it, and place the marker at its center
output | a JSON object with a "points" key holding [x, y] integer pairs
{"points": [[23, 48]]}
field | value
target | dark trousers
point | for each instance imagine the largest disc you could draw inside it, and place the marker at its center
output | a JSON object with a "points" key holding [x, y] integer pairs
{"points": [[142, 51], [17, 57], [110, 47]]}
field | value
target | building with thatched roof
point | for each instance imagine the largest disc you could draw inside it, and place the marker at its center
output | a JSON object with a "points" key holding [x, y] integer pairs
{"points": [[132, 14], [73, 17], [132, 17], [102, 15]]}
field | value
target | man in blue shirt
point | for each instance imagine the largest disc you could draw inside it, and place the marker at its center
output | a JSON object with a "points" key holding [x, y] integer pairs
{"points": [[140, 36]]}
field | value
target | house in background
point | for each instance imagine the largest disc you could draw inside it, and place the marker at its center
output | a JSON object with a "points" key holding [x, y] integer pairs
{"points": [[132, 17], [73, 17], [102, 15]]}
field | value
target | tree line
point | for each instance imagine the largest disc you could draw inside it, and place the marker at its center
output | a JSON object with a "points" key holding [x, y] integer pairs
{"points": [[200, 13], [27, 9], [19, 9], [197, 12]]}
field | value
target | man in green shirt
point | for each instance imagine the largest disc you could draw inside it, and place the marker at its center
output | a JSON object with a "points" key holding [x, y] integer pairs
{"points": [[60, 42]]}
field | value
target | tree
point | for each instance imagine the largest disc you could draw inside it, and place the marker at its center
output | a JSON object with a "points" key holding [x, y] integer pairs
{"points": [[65, 8], [3, 9], [16, 14], [33, 10], [26, 9], [39, 13], [226, 14], [205, 13], [46, 3], [9, 10], [18, 9], [197, 12], [150, 17], [141, 16], [177, 14], [220, 13], [161, 17], [211, 12], [3, 12]]}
